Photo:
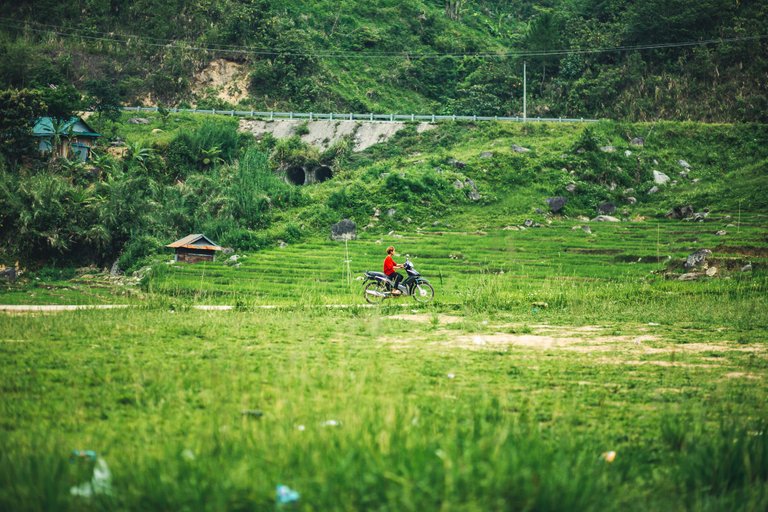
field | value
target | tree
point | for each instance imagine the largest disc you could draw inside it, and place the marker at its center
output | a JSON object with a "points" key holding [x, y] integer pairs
{"points": [[61, 101], [61, 128], [104, 98], [493, 88], [544, 36], [453, 8], [18, 111]]}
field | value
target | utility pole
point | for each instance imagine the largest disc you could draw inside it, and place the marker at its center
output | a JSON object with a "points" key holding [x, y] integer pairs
{"points": [[347, 261], [525, 99]]}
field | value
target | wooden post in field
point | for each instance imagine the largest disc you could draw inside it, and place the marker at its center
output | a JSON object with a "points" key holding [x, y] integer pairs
{"points": [[525, 91], [347, 261], [658, 227]]}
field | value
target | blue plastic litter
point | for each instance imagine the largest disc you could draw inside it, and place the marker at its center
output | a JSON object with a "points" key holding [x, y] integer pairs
{"points": [[286, 495], [83, 454]]}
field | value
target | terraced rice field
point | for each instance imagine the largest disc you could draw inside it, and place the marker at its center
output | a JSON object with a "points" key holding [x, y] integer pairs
{"points": [[522, 266]]}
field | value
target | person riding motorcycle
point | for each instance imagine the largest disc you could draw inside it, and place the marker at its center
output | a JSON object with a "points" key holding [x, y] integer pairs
{"points": [[390, 270]]}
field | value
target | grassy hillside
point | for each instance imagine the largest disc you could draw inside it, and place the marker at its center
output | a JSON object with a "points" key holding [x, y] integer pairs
{"points": [[182, 174], [585, 58]]}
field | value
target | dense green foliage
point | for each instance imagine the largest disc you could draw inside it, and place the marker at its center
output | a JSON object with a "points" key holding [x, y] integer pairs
{"points": [[679, 60], [208, 179], [180, 175], [18, 111]]}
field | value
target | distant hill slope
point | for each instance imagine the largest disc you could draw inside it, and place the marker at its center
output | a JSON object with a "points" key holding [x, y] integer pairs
{"points": [[182, 174], [657, 59]]}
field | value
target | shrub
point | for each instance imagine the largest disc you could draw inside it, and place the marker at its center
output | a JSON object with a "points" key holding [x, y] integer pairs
{"points": [[246, 240], [213, 143], [137, 251]]}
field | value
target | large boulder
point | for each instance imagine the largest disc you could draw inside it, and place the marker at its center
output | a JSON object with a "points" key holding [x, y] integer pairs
{"points": [[473, 193], [556, 204], [605, 218], [680, 212], [606, 208], [697, 259], [9, 274], [344, 230], [698, 216], [660, 178]]}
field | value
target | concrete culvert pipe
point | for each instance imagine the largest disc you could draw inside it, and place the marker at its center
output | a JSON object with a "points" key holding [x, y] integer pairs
{"points": [[323, 173], [296, 175]]}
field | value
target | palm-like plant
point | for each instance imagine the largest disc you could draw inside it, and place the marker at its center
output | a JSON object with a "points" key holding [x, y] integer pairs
{"points": [[211, 157], [139, 155], [61, 128], [104, 163]]}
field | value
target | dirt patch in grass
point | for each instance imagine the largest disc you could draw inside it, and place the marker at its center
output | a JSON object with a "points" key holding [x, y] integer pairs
{"points": [[699, 347], [567, 339], [581, 338], [675, 364], [741, 375], [425, 318], [521, 340]]}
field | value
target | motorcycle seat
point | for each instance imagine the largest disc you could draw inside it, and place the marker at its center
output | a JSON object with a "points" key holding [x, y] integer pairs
{"points": [[372, 274]]}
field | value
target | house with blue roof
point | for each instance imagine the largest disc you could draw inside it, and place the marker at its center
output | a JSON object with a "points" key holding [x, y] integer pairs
{"points": [[68, 138]]}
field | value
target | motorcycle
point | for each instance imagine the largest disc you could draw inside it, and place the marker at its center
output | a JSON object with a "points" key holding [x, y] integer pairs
{"points": [[377, 286]]}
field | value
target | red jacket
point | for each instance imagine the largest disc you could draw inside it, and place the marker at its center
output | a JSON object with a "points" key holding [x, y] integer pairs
{"points": [[389, 265]]}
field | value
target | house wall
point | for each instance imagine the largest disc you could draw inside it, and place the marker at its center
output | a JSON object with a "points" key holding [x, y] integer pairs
{"points": [[65, 151], [187, 256]]}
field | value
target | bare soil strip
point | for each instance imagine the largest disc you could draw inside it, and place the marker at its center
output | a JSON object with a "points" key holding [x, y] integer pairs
{"points": [[56, 308], [26, 308]]}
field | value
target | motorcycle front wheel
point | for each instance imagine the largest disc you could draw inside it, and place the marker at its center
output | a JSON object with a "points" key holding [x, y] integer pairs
{"points": [[374, 292], [423, 292]]}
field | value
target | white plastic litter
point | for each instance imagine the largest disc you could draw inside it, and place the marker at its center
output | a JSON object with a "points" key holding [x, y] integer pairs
{"points": [[100, 483]]}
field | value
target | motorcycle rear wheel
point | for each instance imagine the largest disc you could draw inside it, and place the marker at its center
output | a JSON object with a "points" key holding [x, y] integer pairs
{"points": [[376, 287], [423, 293]]}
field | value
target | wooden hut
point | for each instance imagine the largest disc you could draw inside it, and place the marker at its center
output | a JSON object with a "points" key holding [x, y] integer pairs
{"points": [[194, 248], [68, 138]]}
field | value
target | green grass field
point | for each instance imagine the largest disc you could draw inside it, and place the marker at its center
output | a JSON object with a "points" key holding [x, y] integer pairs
{"points": [[482, 401], [461, 412]]}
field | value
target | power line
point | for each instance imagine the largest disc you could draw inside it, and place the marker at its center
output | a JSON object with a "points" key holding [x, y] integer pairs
{"points": [[272, 52]]}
